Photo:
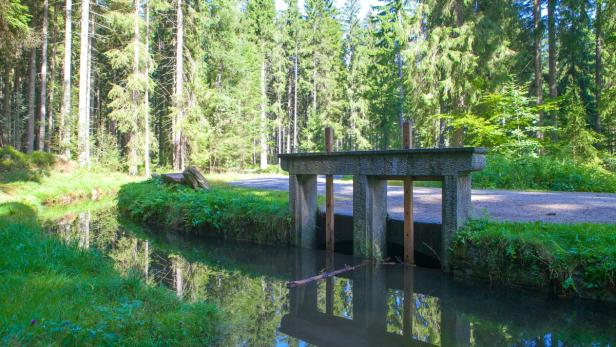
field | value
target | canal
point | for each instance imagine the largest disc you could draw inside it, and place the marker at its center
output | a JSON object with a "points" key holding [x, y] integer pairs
{"points": [[385, 305]]}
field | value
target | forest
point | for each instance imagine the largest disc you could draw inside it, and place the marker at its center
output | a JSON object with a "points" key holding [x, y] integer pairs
{"points": [[230, 84]]}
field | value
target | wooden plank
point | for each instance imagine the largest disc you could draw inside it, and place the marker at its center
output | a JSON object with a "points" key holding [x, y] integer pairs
{"points": [[329, 225], [409, 242], [329, 195]]}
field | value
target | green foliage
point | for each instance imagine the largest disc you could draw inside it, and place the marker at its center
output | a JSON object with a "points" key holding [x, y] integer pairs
{"points": [[543, 173], [574, 258], [70, 296], [18, 166], [244, 214]]}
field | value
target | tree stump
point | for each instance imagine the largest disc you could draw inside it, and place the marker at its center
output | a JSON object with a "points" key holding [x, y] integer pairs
{"points": [[194, 178]]}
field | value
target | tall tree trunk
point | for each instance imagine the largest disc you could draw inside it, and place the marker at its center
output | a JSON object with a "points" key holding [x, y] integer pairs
{"points": [[538, 69], [458, 134], [132, 136], [263, 116], [399, 64], [598, 63], [146, 149], [65, 132], [83, 136], [295, 77], [31, 101], [5, 130], [552, 48], [179, 87], [43, 97]]}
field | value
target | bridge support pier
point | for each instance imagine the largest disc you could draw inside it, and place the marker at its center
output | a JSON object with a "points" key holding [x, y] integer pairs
{"points": [[369, 216], [456, 211], [303, 205]]}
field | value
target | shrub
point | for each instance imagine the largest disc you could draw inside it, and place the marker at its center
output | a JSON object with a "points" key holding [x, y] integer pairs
{"points": [[238, 213], [544, 173], [577, 258], [18, 166]]}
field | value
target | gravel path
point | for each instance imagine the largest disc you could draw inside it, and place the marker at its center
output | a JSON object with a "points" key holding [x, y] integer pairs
{"points": [[504, 205]]}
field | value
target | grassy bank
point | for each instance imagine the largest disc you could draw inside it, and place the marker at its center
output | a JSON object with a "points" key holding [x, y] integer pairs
{"points": [[569, 260], [226, 211], [543, 174], [59, 294], [41, 179]]}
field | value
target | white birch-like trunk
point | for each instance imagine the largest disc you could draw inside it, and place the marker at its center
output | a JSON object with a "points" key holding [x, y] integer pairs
{"points": [[263, 118], [146, 149], [43, 98], [31, 101], [132, 160], [178, 164], [83, 131], [65, 132]]}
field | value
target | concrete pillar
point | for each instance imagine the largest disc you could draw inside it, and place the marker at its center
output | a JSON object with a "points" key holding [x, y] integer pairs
{"points": [[303, 206], [369, 216], [456, 211]]}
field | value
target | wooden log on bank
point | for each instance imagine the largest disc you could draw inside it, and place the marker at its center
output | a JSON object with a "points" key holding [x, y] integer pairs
{"points": [[191, 177], [194, 178], [174, 178]]}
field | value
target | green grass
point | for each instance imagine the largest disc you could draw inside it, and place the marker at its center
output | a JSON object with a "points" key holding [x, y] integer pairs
{"points": [[58, 294], [244, 214], [64, 187], [544, 174], [576, 259]]}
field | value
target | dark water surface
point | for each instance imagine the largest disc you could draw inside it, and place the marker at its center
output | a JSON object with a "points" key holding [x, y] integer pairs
{"points": [[388, 305]]}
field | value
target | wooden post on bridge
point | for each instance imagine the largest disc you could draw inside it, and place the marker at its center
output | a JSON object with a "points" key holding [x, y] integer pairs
{"points": [[329, 195], [329, 226], [409, 242]]}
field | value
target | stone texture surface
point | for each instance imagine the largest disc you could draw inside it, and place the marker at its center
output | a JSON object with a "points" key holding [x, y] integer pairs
{"points": [[410, 162], [369, 217], [303, 206]]}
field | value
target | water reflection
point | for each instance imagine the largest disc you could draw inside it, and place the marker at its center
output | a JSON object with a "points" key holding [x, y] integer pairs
{"points": [[373, 306]]}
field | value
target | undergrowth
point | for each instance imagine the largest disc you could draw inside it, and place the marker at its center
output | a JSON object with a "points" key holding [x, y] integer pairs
{"points": [[544, 173], [573, 258], [239, 213], [58, 294]]}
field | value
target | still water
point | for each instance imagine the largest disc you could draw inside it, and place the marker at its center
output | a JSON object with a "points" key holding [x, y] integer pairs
{"points": [[388, 305]]}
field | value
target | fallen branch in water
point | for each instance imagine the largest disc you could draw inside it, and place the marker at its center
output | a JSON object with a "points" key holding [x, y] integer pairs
{"points": [[324, 275]]}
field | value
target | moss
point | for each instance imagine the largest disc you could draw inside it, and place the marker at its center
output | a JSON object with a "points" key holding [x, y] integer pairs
{"points": [[244, 214], [576, 259]]}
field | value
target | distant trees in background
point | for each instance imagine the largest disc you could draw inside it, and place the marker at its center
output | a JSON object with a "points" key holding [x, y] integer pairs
{"points": [[229, 84]]}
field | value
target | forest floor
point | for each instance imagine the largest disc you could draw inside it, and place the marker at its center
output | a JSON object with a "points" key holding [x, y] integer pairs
{"points": [[497, 205]]}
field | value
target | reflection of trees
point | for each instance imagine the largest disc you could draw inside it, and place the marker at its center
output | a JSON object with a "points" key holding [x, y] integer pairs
{"points": [[342, 297], [254, 304], [426, 318]]}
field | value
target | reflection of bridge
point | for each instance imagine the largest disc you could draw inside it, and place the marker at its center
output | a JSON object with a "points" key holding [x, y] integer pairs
{"points": [[369, 324]]}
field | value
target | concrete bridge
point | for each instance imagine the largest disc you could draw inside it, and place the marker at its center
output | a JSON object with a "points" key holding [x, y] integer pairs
{"points": [[370, 171]]}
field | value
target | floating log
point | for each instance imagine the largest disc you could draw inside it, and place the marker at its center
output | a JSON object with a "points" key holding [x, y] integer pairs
{"points": [[194, 178], [326, 274]]}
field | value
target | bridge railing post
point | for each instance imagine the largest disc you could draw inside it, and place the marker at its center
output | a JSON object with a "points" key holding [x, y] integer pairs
{"points": [[409, 239]]}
